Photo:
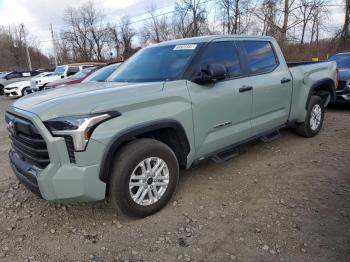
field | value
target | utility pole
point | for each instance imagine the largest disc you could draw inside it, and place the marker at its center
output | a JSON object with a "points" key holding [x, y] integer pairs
{"points": [[54, 44], [27, 48]]}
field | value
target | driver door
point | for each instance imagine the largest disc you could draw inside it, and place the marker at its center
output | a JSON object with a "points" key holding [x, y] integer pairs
{"points": [[221, 109]]}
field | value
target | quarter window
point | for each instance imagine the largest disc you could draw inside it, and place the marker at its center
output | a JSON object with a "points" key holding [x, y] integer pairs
{"points": [[261, 57], [224, 53]]}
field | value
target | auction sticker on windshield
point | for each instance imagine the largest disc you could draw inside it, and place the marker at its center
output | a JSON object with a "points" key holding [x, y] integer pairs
{"points": [[185, 47]]}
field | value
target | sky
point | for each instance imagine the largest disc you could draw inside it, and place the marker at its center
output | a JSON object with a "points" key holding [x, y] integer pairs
{"points": [[37, 15]]}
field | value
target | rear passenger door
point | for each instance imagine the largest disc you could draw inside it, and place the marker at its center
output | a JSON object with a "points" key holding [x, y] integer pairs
{"points": [[272, 85], [221, 112]]}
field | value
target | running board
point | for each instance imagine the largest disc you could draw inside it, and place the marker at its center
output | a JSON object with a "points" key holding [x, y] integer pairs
{"points": [[224, 156], [271, 137]]}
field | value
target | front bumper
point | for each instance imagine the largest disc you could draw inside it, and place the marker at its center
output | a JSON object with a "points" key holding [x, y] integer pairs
{"points": [[12, 92], [25, 172], [61, 180]]}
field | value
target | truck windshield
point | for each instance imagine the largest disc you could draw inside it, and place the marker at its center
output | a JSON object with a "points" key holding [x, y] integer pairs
{"points": [[343, 61], [162, 63], [59, 70]]}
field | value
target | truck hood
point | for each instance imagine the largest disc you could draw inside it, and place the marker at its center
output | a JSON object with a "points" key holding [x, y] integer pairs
{"points": [[67, 81], [344, 74], [86, 98]]}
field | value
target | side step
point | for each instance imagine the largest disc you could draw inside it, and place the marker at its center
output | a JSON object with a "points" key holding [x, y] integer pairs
{"points": [[226, 155], [271, 137]]}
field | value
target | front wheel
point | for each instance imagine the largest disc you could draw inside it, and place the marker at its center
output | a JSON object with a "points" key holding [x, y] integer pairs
{"points": [[25, 91], [144, 177], [314, 118]]}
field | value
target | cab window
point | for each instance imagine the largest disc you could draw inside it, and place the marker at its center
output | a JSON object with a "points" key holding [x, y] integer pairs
{"points": [[72, 70], [224, 53], [261, 57]]}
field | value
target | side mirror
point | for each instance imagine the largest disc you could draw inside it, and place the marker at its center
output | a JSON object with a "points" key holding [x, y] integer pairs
{"points": [[211, 72]]}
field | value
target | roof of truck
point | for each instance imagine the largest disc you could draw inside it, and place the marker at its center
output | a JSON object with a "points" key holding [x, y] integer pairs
{"points": [[209, 38]]}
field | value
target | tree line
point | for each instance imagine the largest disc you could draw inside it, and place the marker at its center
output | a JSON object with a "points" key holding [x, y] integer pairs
{"points": [[298, 25]]}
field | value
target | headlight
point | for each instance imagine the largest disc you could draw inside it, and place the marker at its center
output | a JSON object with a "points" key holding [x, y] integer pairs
{"points": [[79, 128]]}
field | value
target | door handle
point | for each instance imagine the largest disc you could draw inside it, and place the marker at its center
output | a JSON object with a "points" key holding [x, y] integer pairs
{"points": [[245, 89], [285, 80]]}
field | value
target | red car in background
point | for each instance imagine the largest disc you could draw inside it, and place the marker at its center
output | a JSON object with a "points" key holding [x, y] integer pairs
{"points": [[74, 79]]}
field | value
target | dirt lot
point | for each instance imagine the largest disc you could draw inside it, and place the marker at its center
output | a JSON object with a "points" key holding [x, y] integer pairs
{"points": [[288, 200]]}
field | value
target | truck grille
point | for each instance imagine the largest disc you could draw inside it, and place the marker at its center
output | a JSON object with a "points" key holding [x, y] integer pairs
{"points": [[26, 141]]}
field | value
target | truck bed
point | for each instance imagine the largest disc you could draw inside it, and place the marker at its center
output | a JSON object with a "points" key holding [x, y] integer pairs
{"points": [[294, 64]]}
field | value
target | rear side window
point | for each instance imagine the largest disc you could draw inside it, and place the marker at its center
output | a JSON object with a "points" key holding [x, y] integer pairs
{"points": [[14, 75], [34, 73], [261, 57], [224, 53]]}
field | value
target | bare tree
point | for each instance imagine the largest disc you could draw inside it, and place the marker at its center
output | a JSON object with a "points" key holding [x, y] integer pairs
{"points": [[116, 42], [307, 9], [278, 17], [190, 18], [126, 37], [13, 50], [345, 33], [156, 29], [86, 35], [268, 14], [236, 15]]}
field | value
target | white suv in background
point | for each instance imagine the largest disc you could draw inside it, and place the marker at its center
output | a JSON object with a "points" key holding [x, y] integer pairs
{"points": [[61, 72]]}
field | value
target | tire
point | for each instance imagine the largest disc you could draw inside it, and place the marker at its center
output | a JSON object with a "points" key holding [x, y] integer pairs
{"points": [[24, 91], [310, 128], [128, 162], [1, 90]]}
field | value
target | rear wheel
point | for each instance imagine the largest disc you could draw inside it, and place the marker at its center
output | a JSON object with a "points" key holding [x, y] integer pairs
{"points": [[144, 177], [314, 118]]}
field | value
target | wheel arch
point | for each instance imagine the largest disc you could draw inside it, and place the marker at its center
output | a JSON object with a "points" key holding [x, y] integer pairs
{"points": [[322, 88], [171, 132]]}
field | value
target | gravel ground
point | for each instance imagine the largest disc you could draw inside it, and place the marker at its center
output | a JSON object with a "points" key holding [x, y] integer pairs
{"points": [[288, 200]]}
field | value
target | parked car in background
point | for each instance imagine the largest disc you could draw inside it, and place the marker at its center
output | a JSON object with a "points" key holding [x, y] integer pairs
{"points": [[102, 74], [343, 63], [18, 89], [15, 76], [171, 105], [74, 79], [3, 74], [61, 72]]}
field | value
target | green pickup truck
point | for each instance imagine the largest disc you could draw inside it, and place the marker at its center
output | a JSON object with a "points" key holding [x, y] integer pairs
{"points": [[168, 107]]}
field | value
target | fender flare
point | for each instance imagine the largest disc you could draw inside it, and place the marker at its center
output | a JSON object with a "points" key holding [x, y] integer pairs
{"points": [[132, 132], [319, 83]]}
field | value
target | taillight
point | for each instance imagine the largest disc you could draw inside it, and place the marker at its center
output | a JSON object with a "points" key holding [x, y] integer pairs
{"points": [[337, 81]]}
